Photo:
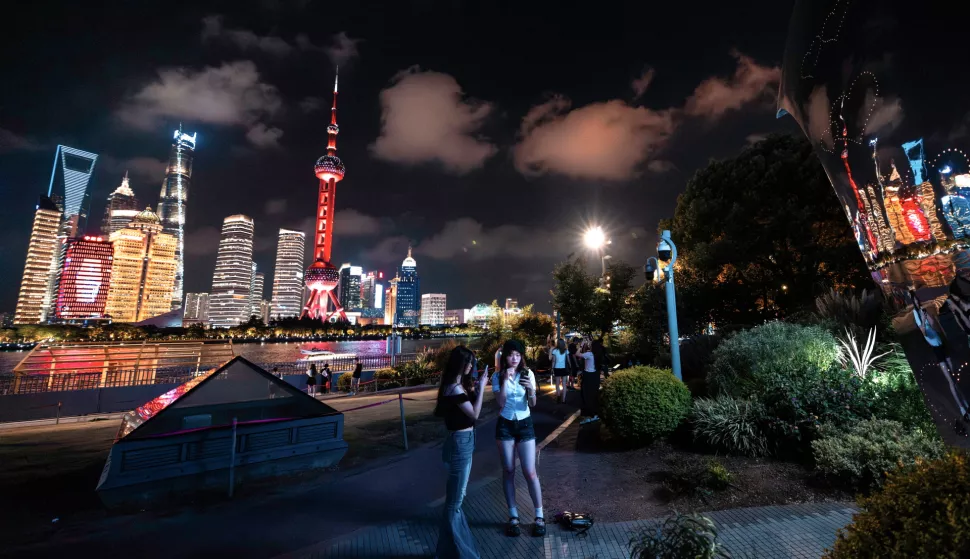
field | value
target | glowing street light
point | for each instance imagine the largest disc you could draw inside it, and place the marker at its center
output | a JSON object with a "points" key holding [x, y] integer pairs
{"points": [[595, 238]]}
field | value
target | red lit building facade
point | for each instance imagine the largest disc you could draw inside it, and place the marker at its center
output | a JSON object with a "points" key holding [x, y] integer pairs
{"points": [[85, 278]]}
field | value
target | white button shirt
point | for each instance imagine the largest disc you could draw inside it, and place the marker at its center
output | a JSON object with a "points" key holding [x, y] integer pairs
{"points": [[516, 402]]}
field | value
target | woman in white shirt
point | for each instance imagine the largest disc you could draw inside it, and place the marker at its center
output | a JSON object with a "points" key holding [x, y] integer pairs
{"points": [[590, 387], [559, 356], [514, 386]]}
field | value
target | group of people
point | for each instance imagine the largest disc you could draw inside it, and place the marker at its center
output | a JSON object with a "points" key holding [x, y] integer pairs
{"points": [[324, 378], [584, 359], [459, 403]]}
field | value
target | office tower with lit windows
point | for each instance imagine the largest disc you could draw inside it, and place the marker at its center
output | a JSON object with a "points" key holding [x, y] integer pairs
{"points": [[287, 299], [41, 251], [408, 292], [349, 289], [433, 307], [196, 309], [367, 282], [143, 270], [121, 208], [256, 292], [390, 302], [265, 308], [69, 184], [511, 304], [85, 279], [172, 202], [229, 303]]}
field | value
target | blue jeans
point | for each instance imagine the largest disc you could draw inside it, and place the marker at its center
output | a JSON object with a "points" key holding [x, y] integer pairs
{"points": [[455, 538]]}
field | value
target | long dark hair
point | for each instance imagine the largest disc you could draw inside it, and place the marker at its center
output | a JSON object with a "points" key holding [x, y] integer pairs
{"points": [[508, 347], [457, 371]]}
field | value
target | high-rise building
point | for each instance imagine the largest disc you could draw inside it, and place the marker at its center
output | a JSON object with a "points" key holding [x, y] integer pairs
{"points": [[172, 202], [143, 270], [265, 308], [196, 309], [433, 308], [41, 251], [288, 276], [390, 303], [229, 298], [408, 292], [322, 276], [367, 284], [456, 317], [350, 287], [121, 208], [85, 278], [256, 293], [378, 295], [511, 304], [69, 184]]}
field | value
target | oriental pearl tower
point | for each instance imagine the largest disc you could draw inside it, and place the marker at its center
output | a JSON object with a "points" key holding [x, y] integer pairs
{"points": [[322, 276]]}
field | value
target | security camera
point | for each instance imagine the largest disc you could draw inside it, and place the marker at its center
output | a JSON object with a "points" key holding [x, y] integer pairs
{"points": [[664, 251]]}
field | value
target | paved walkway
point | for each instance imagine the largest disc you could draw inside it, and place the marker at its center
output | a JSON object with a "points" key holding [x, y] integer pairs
{"points": [[789, 531]]}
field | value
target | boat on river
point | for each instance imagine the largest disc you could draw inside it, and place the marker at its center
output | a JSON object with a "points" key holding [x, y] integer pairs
{"points": [[313, 354]]}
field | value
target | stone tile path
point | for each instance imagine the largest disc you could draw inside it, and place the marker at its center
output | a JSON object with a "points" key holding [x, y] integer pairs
{"points": [[788, 531]]}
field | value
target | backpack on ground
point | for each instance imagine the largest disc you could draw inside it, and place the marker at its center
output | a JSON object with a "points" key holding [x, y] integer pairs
{"points": [[575, 522]]}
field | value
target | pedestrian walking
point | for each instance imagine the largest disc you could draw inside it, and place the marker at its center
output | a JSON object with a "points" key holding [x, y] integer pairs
{"points": [[514, 386], [325, 377], [355, 379], [590, 388], [311, 380], [560, 369], [459, 404], [575, 366]]}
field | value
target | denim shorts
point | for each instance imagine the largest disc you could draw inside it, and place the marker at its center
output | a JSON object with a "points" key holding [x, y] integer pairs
{"points": [[517, 430]]}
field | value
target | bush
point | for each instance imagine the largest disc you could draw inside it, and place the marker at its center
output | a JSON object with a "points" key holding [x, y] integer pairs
{"points": [[679, 536], [774, 355], [862, 455], [895, 394], [439, 357], [414, 372], [696, 357], [343, 382], [923, 511], [730, 424], [643, 403], [693, 475]]}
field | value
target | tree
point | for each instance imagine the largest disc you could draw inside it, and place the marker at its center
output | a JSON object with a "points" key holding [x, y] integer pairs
{"points": [[574, 295], [761, 235], [534, 328]]}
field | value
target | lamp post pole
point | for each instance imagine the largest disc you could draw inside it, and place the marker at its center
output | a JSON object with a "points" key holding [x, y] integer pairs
{"points": [[672, 305]]}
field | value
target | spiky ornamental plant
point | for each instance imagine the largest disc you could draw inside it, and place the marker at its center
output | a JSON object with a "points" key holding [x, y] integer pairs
{"points": [[861, 359]]}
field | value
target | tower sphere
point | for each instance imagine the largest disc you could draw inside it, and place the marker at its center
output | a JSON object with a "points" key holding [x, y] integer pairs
{"points": [[329, 167], [322, 276]]}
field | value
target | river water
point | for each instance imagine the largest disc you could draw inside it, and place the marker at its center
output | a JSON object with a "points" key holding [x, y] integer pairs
{"points": [[280, 352]]}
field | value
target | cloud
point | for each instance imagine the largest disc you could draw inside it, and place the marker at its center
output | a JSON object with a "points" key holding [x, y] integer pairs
{"points": [[755, 138], [606, 140], [819, 125], [352, 223], [230, 94], [263, 136], [660, 166], [886, 115], [10, 141], [425, 118], [212, 29], [275, 206], [311, 104], [342, 49], [148, 169], [391, 250], [641, 83], [750, 82], [467, 237], [202, 241]]}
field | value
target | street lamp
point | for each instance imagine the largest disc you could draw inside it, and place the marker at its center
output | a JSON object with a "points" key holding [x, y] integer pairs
{"points": [[603, 261], [667, 254], [595, 238]]}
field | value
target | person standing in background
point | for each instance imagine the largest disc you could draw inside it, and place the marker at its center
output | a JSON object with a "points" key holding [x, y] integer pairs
{"points": [[590, 388], [311, 379], [559, 358]]}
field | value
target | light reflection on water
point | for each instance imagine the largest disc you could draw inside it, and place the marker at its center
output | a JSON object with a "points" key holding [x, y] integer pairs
{"points": [[281, 352]]}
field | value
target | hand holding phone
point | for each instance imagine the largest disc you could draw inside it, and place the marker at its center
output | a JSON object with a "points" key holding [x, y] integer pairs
{"points": [[483, 378]]}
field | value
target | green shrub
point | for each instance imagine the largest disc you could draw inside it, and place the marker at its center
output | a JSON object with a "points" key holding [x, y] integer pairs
{"points": [[922, 511], [643, 403], [771, 356], [413, 372], [343, 382], [439, 357], [895, 394], [860, 456], [730, 424], [694, 475], [696, 357], [679, 536]]}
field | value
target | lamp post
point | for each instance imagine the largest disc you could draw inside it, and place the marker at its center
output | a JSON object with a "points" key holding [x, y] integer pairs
{"points": [[603, 260], [596, 239], [667, 253]]}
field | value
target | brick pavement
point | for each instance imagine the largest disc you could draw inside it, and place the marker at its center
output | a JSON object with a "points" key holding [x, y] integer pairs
{"points": [[787, 531]]}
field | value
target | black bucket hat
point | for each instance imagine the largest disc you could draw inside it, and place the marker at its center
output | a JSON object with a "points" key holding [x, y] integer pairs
{"points": [[513, 345]]}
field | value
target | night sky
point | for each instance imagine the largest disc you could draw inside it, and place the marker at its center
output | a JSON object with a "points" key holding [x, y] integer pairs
{"points": [[485, 134]]}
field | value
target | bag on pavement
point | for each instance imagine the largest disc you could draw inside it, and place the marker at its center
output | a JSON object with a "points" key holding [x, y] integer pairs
{"points": [[575, 522]]}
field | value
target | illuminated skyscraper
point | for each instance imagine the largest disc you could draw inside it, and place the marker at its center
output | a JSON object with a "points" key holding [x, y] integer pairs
{"points": [[265, 307], [196, 309], [350, 286], [143, 270], [85, 278], [41, 252], [229, 303], [69, 183], [172, 202], [121, 208], [408, 292], [433, 308], [322, 276], [288, 274], [390, 303], [256, 292]]}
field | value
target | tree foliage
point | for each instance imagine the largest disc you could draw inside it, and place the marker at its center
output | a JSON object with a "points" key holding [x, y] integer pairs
{"points": [[584, 304], [761, 235]]}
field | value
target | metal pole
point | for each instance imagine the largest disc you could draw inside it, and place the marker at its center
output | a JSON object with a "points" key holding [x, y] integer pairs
{"points": [[672, 308], [404, 426], [232, 459], [58, 420]]}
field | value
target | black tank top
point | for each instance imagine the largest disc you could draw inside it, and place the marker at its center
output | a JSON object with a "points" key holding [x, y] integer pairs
{"points": [[455, 419]]}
